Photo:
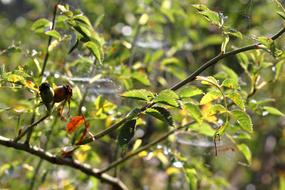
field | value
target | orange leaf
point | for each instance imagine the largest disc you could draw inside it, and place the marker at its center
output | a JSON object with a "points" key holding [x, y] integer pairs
{"points": [[74, 123]]}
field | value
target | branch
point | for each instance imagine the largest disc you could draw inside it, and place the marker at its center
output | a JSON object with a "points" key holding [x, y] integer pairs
{"points": [[30, 127], [190, 78], [50, 38], [115, 182], [143, 148]]}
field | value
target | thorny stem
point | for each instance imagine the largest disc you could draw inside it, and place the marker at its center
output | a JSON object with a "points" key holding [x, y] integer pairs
{"points": [[49, 39], [182, 83]]}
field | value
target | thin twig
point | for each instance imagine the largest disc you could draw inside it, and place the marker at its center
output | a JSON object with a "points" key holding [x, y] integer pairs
{"points": [[143, 148], [30, 127], [186, 81], [50, 38], [32, 184], [88, 170]]}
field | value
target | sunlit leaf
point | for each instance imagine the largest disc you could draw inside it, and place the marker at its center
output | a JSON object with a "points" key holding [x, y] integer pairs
{"points": [[74, 123], [189, 92], [230, 83], [126, 132], [95, 49], [191, 176], [208, 80], [82, 19], [212, 16], [140, 94], [216, 108], [237, 99], [41, 25], [225, 43], [243, 119], [273, 111], [141, 77], [194, 112], [210, 96], [54, 34], [168, 97], [244, 149]]}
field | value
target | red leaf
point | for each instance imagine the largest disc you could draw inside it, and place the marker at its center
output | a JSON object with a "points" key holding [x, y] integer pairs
{"points": [[74, 123]]}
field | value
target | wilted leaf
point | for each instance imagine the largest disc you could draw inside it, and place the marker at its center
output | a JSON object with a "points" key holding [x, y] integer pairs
{"points": [[127, 132], [140, 94], [74, 123], [168, 97], [243, 120]]}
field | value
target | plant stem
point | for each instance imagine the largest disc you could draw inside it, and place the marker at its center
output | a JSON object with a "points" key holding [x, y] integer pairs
{"points": [[32, 184], [49, 39], [88, 170], [182, 83], [30, 127], [143, 148]]}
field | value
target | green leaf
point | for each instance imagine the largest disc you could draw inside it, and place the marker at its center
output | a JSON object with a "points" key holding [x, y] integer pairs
{"points": [[273, 111], [278, 69], [233, 32], [82, 19], [203, 128], [161, 114], [212, 16], [191, 176], [127, 132], [244, 149], [217, 108], [53, 33], [230, 83], [210, 96], [237, 99], [140, 94], [141, 77], [281, 14], [229, 72], [221, 130], [14, 78], [95, 49], [194, 112], [40, 25], [243, 120], [189, 92], [168, 97], [208, 81], [225, 43]]}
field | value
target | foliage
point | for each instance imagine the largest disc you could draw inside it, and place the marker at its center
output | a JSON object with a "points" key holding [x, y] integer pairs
{"points": [[210, 130]]}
